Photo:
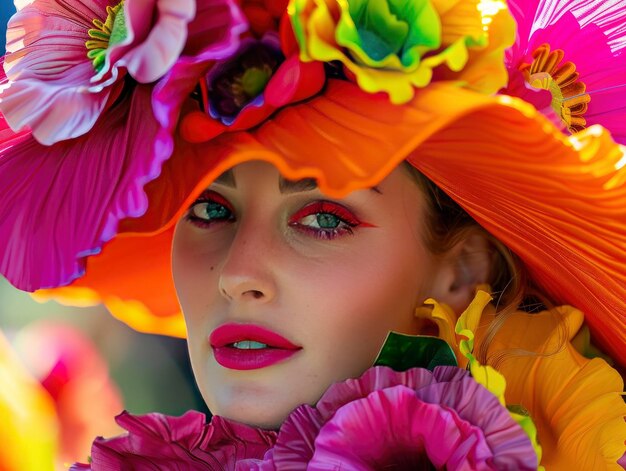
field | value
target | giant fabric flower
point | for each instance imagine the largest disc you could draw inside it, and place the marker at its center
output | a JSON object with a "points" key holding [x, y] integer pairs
{"points": [[60, 203], [569, 60], [575, 402], [156, 441], [239, 92], [393, 45], [402, 419], [65, 60]]}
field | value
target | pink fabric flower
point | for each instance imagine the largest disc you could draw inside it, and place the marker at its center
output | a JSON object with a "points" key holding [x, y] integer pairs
{"points": [[64, 68], [61, 203], [156, 441], [412, 419], [579, 77]]}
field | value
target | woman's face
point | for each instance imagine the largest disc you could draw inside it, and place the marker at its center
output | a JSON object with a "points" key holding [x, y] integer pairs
{"points": [[285, 291]]}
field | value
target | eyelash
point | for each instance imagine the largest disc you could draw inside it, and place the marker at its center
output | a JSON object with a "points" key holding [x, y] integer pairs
{"points": [[209, 197], [346, 221]]}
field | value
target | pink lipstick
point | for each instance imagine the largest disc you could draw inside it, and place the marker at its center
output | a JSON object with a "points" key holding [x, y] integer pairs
{"points": [[249, 346]]}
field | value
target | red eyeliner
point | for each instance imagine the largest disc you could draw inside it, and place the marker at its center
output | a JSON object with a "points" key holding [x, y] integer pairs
{"points": [[213, 197], [331, 208]]}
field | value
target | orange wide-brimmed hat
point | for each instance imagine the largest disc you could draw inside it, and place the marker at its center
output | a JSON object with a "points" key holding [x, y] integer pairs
{"points": [[115, 118], [558, 202]]}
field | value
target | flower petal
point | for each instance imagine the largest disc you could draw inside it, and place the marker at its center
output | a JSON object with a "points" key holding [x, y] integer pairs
{"points": [[88, 185], [296, 442], [578, 27], [575, 403], [161, 46], [375, 378], [157, 441], [47, 63], [393, 427]]}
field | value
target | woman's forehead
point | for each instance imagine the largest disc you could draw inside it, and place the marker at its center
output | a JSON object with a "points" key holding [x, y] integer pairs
{"points": [[285, 185], [228, 178]]}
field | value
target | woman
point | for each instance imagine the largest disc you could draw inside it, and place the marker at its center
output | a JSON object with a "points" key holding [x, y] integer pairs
{"points": [[307, 177]]}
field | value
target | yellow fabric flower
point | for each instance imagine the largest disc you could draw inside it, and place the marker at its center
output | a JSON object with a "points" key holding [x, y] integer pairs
{"points": [[395, 46], [575, 403]]}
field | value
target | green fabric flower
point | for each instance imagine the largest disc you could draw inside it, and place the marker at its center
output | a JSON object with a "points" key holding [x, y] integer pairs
{"points": [[388, 33], [391, 45]]}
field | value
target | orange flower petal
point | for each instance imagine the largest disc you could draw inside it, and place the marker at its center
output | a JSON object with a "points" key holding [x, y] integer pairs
{"points": [[575, 402]]}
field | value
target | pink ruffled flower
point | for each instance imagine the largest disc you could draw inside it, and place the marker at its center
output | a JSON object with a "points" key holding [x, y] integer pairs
{"points": [[569, 61], [413, 419], [66, 59], [156, 441], [61, 203]]}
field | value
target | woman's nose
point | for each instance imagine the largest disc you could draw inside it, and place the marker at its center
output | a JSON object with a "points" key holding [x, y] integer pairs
{"points": [[247, 274]]}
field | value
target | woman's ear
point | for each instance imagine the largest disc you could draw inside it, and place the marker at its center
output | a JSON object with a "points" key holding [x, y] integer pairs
{"points": [[462, 268]]}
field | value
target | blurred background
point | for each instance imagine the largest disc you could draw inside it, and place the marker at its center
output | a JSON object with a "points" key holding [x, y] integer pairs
{"points": [[66, 372]]}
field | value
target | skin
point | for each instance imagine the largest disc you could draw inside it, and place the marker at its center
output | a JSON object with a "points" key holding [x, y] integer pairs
{"points": [[337, 297]]}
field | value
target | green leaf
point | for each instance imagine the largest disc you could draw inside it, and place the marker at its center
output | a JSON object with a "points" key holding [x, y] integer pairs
{"points": [[402, 352]]}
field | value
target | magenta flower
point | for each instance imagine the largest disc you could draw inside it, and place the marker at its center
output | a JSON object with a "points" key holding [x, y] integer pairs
{"points": [[414, 419], [569, 61], [157, 441], [66, 60], [61, 203]]}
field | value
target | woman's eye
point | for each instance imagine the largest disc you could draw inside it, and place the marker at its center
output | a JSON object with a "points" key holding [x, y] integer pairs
{"points": [[325, 220], [210, 208]]}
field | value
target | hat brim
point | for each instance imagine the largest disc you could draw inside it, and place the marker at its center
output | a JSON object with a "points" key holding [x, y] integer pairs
{"points": [[558, 202]]}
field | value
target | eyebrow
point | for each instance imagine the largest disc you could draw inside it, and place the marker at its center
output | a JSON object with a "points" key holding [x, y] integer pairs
{"points": [[285, 186]]}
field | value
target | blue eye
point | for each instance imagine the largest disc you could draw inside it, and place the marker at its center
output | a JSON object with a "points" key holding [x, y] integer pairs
{"points": [[325, 220], [210, 211], [210, 208]]}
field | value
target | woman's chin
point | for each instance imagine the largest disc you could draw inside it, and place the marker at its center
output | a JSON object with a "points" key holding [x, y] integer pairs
{"points": [[255, 415], [256, 407]]}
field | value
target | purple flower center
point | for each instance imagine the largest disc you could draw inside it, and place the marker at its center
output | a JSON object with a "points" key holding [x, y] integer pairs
{"points": [[236, 83]]}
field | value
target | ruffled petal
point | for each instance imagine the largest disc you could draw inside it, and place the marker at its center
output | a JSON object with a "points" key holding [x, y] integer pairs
{"points": [[88, 185], [156, 441], [295, 445], [160, 45], [47, 63], [577, 27], [575, 402], [376, 378], [395, 428], [382, 56], [156, 309]]}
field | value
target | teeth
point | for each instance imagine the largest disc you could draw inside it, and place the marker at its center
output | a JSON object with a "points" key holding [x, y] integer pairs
{"points": [[249, 345]]}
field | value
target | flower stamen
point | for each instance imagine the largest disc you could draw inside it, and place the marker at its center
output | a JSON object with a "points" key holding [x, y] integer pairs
{"points": [[569, 97], [105, 34]]}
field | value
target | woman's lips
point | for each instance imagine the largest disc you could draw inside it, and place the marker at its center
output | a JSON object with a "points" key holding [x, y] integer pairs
{"points": [[277, 348]]}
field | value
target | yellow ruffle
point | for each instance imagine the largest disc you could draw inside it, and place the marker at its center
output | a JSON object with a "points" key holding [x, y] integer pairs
{"points": [[470, 46], [576, 403]]}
